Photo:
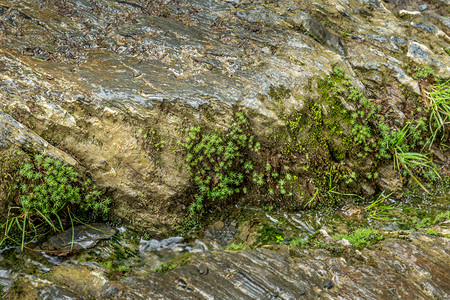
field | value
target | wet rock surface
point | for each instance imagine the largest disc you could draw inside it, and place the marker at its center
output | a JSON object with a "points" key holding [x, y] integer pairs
{"points": [[221, 232], [272, 255], [81, 237], [415, 267], [103, 84], [111, 86]]}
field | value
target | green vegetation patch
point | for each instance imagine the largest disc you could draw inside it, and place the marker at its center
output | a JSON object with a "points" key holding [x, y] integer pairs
{"points": [[330, 148], [362, 237], [178, 261], [46, 195], [372, 134], [428, 221], [269, 235], [439, 103], [219, 162], [236, 247]]}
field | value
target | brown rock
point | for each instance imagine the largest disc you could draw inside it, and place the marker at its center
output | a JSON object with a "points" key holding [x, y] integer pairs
{"points": [[219, 225], [352, 212]]}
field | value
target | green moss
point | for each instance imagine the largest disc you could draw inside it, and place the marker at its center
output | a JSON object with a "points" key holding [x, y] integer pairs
{"points": [[177, 262], [46, 194], [423, 72], [338, 71], [306, 162], [447, 50], [362, 237], [268, 235], [279, 93], [299, 242], [151, 140], [10, 164], [236, 247], [220, 162]]}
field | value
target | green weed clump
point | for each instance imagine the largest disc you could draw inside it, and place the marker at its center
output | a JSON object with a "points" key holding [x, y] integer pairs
{"points": [[236, 247], [426, 222], [164, 267], [178, 261], [443, 216], [423, 72], [373, 136], [299, 242], [47, 194], [439, 103], [397, 144], [219, 162], [378, 210], [361, 237]]}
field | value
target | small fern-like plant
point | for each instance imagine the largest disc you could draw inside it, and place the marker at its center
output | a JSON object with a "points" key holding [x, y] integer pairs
{"points": [[47, 194], [219, 162]]}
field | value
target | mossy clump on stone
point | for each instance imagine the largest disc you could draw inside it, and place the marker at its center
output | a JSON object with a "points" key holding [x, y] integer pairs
{"points": [[46, 194], [219, 162], [362, 237]]}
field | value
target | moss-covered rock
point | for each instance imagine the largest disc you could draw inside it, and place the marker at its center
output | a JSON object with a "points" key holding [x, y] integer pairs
{"points": [[112, 87]]}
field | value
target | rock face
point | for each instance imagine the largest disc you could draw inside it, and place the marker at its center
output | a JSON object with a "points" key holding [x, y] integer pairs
{"points": [[412, 268], [111, 86]]}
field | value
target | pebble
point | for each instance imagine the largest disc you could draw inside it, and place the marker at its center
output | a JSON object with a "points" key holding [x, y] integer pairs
{"points": [[325, 237], [222, 232], [352, 213], [219, 225], [344, 243], [423, 7]]}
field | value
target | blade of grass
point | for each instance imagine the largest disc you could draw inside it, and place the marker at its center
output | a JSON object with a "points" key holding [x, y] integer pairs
{"points": [[23, 229], [59, 221], [312, 199], [79, 221], [46, 220]]}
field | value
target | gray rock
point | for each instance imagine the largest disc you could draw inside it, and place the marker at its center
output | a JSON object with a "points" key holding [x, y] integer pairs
{"points": [[203, 269], [326, 37], [422, 7], [324, 236], [399, 41], [344, 243], [83, 237], [257, 273], [424, 27], [378, 38], [418, 51], [90, 80], [219, 225]]}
